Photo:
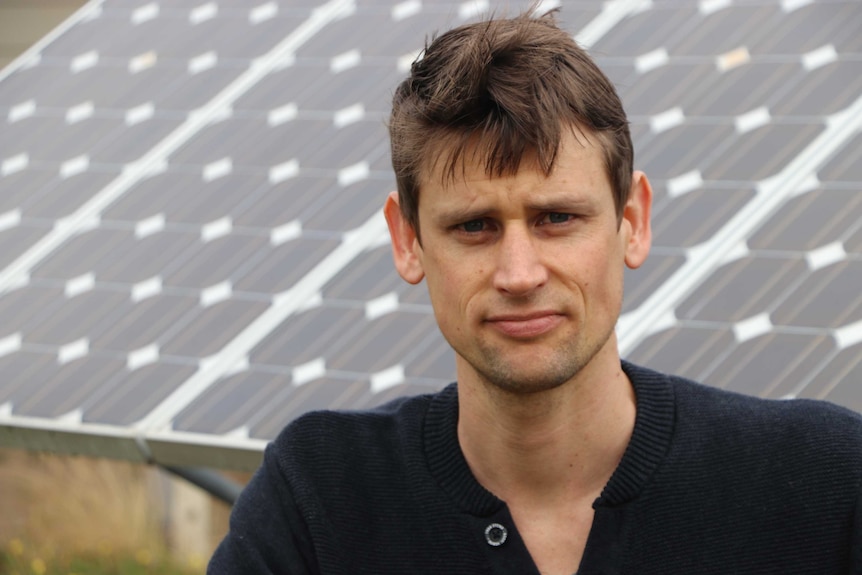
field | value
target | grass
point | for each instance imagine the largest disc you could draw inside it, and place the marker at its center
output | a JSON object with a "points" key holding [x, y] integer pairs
{"points": [[19, 559], [85, 516]]}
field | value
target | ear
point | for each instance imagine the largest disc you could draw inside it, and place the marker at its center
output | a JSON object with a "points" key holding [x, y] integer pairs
{"points": [[406, 250], [636, 218]]}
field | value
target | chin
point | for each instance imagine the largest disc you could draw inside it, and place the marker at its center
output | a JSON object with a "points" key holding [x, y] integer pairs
{"points": [[533, 368], [522, 381]]}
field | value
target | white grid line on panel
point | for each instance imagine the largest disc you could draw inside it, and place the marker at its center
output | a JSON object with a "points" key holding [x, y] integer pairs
{"points": [[263, 13], [158, 155], [841, 127], [370, 234], [732, 59], [214, 294], [149, 226], [707, 7], [80, 284], [146, 288], [10, 344], [143, 356], [140, 114], [844, 337], [612, 14], [406, 9], [10, 219], [819, 57], [381, 306], [74, 166], [74, 417], [79, 113], [203, 13], [73, 350], [848, 335], [284, 171], [684, 183], [345, 61], [84, 61], [145, 13], [734, 253], [406, 61], [202, 62], [651, 60], [315, 301], [143, 62], [308, 371], [281, 115], [543, 6], [241, 432], [21, 111], [472, 8], [389, 377], [791, 5], [752, 327], [825, 256], [83, 14], [14, 164], [348, 115], [284, 305], [216, 229]]}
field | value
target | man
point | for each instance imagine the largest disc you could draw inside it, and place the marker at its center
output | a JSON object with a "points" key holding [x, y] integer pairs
{"points": [[518, 205]]}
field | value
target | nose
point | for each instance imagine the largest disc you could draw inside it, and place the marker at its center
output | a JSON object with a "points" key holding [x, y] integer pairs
{"points": [[519, 268]]}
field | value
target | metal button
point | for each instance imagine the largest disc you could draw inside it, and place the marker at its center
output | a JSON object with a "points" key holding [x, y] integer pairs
{"points": [[495, 534]]}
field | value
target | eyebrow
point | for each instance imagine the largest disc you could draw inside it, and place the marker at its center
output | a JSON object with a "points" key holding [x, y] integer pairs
{"points": [[567, 204], [455, 216]]}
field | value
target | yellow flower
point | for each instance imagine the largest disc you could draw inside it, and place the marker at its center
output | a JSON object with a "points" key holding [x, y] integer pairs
{"points": [[16, 547], [38, 566]]}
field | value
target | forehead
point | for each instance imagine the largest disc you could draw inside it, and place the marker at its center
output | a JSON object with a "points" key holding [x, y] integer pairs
{"points": [[452, 172]]}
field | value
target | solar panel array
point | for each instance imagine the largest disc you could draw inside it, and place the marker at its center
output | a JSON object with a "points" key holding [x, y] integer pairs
{"points": [[193, 252]]}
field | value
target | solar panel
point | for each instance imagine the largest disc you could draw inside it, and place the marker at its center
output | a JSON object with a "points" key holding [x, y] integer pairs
{"points": [[194, 254]]}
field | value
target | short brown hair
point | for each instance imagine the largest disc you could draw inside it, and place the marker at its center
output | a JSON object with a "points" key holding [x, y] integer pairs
{"points": [[510, 86]]}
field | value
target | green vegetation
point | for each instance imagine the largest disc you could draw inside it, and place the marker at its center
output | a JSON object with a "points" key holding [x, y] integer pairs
{"points": [[18, 559]]}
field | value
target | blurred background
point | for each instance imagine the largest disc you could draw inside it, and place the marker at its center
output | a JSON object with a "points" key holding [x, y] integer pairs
{"points": [[71, 514], [23, 22], [192, 251]]}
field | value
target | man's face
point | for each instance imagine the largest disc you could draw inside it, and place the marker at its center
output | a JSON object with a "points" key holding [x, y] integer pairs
{"points": [[525, 272]]}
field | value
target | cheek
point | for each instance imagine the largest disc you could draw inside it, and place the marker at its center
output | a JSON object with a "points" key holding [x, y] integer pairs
{"points": [[596, 272], [458, 298], [445, 289]]}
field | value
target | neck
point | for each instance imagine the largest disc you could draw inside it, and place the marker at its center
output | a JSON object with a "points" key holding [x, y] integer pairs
{"points": [[567, 440]]}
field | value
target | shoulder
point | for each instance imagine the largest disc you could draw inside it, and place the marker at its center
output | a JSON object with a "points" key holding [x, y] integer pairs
{"points": [[792, 433], [711, 406], [776, 418], [324, 442], [344, 425], [711, 420]]}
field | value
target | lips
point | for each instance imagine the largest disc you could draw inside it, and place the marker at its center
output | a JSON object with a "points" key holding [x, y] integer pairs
{"points": [[526, 326]]}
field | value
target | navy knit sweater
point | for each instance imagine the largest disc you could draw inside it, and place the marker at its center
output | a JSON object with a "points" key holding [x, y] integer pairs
{"points": [[711, 482]]}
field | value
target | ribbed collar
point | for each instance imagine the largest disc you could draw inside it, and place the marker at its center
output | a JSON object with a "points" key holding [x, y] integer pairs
{"points": [[649, 443]]}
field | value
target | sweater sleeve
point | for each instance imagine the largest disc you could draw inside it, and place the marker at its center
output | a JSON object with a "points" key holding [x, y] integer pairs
{"points": [[267, 535], [856, 541]]}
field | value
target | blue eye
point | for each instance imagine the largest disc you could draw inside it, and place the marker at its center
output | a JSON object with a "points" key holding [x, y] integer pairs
{"points": [[473, 226], [558, 217]]}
